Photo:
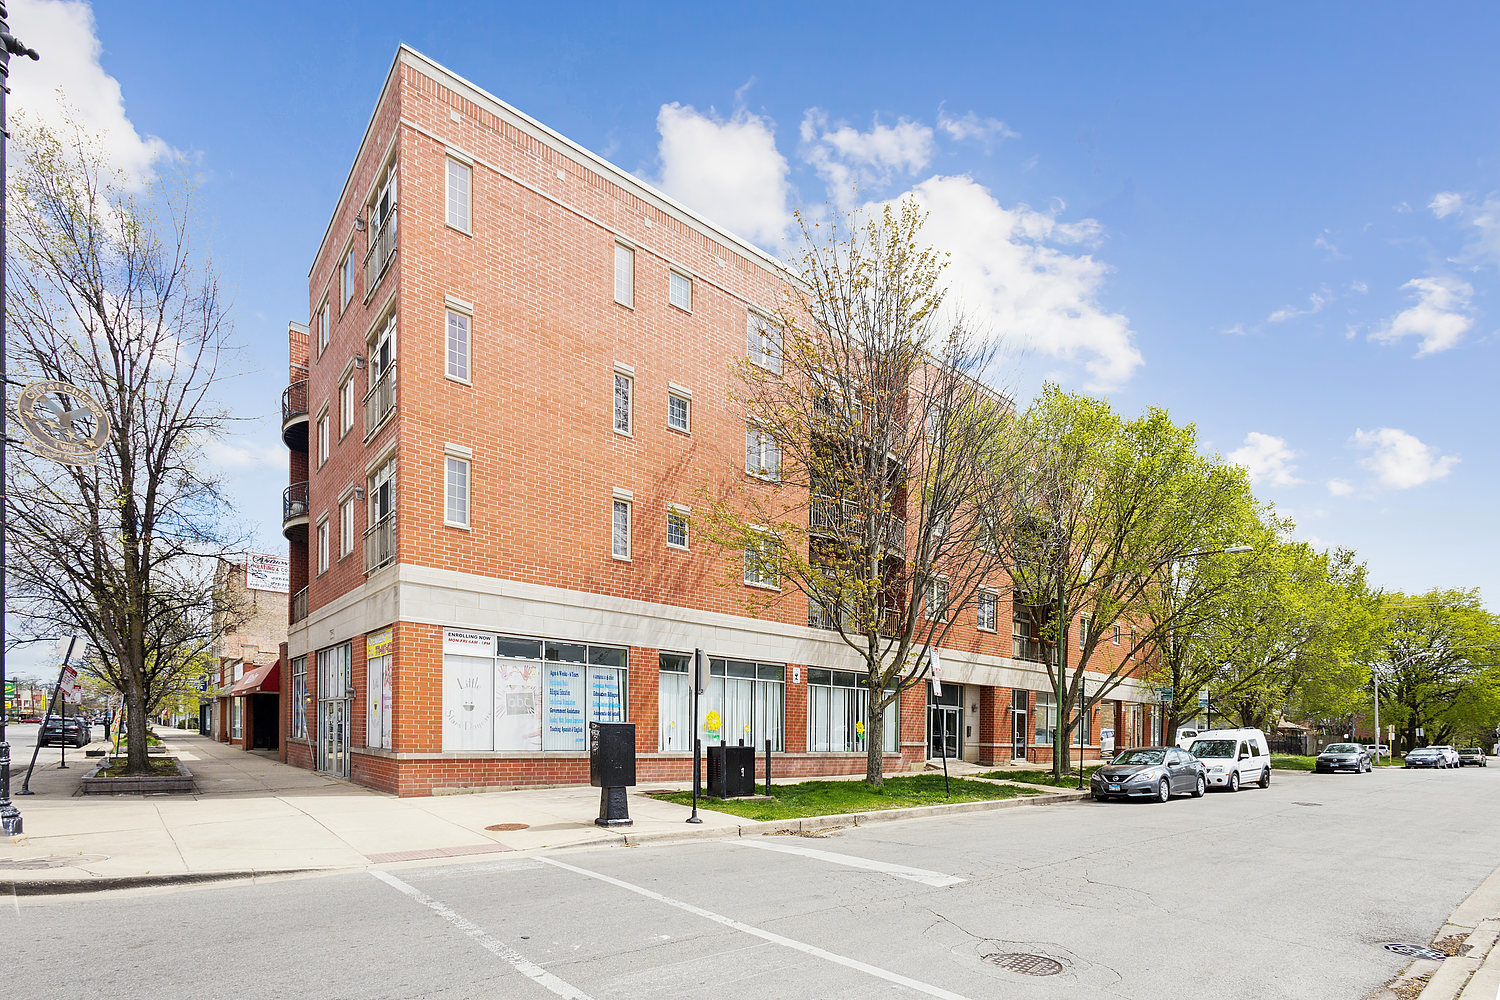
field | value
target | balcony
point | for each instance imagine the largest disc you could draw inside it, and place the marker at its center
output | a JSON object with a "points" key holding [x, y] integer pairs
{"points": [[294, 416], [299, 605], [294, 509], [1029, 649], [380, 401], [840, 518], [380, 543], [378, 258]]}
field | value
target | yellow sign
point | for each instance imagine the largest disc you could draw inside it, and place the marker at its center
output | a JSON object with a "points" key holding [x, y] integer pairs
{"points": [[378, 644], [859, 730]]}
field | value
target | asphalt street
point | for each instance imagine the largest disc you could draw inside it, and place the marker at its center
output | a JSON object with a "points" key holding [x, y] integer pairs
{"points": [[1284, 892]]}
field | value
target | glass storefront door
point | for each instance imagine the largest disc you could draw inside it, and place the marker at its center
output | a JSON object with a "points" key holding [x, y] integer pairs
{"points": [[334, 683], [945, 721]]}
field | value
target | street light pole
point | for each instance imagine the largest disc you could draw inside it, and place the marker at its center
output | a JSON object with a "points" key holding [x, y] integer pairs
{"points": [[10, 816]]}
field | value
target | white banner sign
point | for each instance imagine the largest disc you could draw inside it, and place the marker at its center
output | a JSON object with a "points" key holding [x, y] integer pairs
{"points": [[267, 572], [466, 643]]}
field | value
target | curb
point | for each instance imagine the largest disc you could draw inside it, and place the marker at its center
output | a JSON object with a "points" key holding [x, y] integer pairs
{"points": [[1473, 973], [75, 886]]}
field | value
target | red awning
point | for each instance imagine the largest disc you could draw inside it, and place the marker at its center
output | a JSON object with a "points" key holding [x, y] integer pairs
{"points": [[258, 680]]}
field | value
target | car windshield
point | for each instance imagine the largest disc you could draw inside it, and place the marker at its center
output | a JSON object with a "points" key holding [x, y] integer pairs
{"points": [[1341, 748], [1139, 757], [1213, 748]]}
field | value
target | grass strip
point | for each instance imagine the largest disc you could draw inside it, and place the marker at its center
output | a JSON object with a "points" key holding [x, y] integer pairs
{"points": [[832, 798], [1069, 778]]}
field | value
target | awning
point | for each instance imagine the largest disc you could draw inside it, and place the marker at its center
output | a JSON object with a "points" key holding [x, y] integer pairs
{"points": [[258, 680]]}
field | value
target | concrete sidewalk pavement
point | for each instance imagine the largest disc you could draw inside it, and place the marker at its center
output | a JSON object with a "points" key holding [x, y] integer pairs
{"points": [[253, 815]]}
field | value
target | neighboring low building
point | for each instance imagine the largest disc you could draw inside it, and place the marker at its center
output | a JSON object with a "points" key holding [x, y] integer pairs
{"points": [[247, 705]]}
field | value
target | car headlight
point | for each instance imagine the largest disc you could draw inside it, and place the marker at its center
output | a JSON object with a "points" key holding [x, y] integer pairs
{"points": [[1146, 776]]}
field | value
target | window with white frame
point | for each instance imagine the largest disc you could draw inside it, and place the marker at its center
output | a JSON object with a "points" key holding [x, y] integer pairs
{"points": [[624, 388], [837, 709], [679, 411], [299, 697], [459, 324], [1083, 630], [762, 453], [680, 291], [677, 527], [619, 538], [762, 553], [323, 437], [987, 602], [1116, 637], [763, 341], [1046, 716], [346, 404], [323, 544], [624, 275], [460, 194], [347, 278], [747, 700], [346, 526], [937, 599], [324, 317], [456, 490], [237, 718]]}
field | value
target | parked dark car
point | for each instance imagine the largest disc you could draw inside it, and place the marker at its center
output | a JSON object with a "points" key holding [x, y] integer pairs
{"points": [[1429, 757], [73, 730], [1150, 772], [1472, 755], [1343, 757]]}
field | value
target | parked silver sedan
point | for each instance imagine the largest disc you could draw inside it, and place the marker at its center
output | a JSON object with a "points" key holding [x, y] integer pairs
{"points": [[1343, 757], [1150, 772]]}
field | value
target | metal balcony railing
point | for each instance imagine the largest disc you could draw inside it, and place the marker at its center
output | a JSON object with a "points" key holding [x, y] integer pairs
{"points": [[294, 401], [380, 543], [380, 401], [294, 502], [378, 257], [1029, 649], [299, 605], [828, 515]]}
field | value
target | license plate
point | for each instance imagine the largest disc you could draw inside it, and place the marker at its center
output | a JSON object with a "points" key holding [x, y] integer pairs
{"points": [[1114, 788]]}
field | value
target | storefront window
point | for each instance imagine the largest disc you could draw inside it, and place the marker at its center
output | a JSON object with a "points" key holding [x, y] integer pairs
{"points": [[236, 718], [837, 709], [747, 700], [674, 702], [378, 689], [1046, 716], [299, 697]]}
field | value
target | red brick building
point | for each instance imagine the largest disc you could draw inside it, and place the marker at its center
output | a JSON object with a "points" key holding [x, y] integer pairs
{"points": [[512, 389]]}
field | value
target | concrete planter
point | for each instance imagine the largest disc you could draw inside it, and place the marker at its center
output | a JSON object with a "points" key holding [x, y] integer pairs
{"points": [[95, 783]]}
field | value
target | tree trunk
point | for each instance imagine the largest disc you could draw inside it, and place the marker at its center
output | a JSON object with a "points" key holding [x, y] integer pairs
{"points": [[874, 743], [135, 729]]}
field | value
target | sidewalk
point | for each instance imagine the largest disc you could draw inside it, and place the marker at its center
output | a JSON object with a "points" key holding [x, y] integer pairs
{"points": [[1470, 936], [253, 815]]}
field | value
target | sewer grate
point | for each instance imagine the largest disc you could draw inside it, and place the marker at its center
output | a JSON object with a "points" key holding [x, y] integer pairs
{"points": [[507, 827], [1307, 803], [1026, 964], [1414, 950], [51, 861]]}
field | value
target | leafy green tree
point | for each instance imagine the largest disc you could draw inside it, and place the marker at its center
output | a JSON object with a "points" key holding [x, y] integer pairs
{"points": [[1437, 659]]}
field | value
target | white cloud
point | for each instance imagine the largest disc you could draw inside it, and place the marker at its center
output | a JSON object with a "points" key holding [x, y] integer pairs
{"points": [[1339, 488], [252, 456], [1324, 243], [847, 158], [1445, 203], [972, 126], [1315, 303], [65, 35], [1359, 287], [1267, 458], [1007, 271], [728, 170], [1399, 460], [1440, 317]]}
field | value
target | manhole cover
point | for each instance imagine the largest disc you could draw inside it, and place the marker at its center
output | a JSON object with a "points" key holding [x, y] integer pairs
{"points": [[504, 827], [1415, 950], [1026, 964], [53, 861]]}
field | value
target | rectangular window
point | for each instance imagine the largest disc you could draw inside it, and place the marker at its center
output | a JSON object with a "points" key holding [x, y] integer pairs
{"points": [[680, 292], [323, 546], [460, 183], [323, 437], [762, 453], [837, 712], [619, 545], [458, 345], [747, 700], [624, 385], [679, 412], [1046, 716], [1116, 638], [456, 492], [346, 405], [237, 718], [323, 324], [987, 602], [299, 697], [1083, 630], [624, 275], [346, 527], [677, 527], [761, 557], [347, 279], [378, 689], [937, 599], [763, 342]]}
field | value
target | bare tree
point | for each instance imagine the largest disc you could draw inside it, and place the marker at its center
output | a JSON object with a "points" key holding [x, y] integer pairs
{"points": [[104, 294], [872, 449]]}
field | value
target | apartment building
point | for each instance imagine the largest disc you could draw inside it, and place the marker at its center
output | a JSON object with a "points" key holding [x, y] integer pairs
{"points": [[513, 390]]}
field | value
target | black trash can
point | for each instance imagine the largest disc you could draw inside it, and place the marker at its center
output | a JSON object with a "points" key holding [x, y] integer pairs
{"points": [[731, 771]]}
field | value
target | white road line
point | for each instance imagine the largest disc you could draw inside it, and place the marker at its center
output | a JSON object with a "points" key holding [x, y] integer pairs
{"points": [[922, 875], [926, 989], [512, 958]]}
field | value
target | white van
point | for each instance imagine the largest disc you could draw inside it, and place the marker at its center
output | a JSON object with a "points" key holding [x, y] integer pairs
{"points": [[1233, 757], [1185, 736]]}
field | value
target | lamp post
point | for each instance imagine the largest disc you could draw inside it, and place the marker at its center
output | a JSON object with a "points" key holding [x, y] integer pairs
{"points": [[10, 816]]}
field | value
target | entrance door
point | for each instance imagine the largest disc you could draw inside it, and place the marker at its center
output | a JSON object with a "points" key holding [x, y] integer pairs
{"points": [[945, 721], [333, 709], [1019, 735]]}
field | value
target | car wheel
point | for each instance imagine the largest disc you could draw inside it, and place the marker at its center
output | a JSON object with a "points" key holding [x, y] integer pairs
{"points": [[1100, 798], [1234, 781], [1265, 778], [1163, 791], [1200, 788]]}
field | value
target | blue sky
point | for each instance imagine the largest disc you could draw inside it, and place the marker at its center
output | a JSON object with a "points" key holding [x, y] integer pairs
{"points": [[1280, 222]]}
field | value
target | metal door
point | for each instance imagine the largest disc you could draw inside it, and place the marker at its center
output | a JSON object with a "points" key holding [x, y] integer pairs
{"points": [[1018, 734], [945, 724], [333, 709]]}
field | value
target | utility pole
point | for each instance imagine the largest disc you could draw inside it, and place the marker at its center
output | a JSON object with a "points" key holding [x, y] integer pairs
{"points": [[10, 816]]}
